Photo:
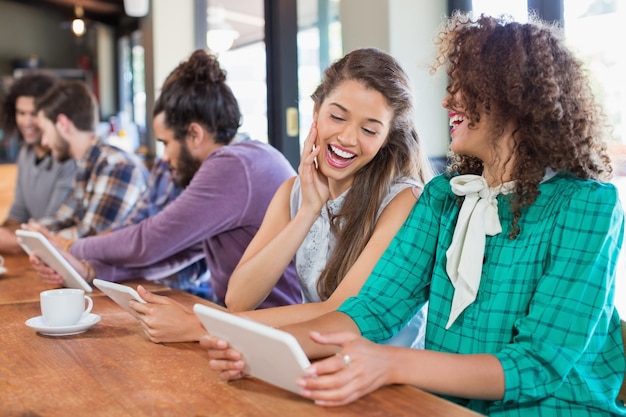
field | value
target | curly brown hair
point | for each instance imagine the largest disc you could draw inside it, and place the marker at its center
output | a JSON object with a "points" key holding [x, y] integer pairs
{"points": [[32, 85], [524, 72]]}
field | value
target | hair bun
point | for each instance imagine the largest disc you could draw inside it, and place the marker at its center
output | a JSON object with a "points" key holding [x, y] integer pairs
{"points": [[202, 68]]}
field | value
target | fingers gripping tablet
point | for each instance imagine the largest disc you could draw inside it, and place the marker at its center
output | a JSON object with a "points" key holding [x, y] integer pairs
{"points": [[35, 242], [121, 294], [270, 354]]}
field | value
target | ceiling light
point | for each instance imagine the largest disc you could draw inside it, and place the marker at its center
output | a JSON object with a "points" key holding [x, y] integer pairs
{"points": [[78, 27], [78, 24], [221, 39], [136, 8], [221, 35]]}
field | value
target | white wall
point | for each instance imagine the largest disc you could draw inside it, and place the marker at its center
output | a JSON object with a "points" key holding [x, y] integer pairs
{"points": [[405, 29], [365, 23], [172, 36], [105, 62], [168, 39]]}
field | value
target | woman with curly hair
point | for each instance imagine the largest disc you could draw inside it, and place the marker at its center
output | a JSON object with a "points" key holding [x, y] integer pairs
{"points": [[514, 247]]}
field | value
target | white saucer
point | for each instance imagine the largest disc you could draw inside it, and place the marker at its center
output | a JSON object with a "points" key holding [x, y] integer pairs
{"points": [[38, 324]]}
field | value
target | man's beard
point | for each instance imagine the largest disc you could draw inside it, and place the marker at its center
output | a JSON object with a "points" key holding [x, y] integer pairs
{"points": [[62, 149], [186, 167]]}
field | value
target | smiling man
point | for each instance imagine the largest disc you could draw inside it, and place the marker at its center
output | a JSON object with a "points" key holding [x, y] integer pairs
{"points": [[108, 181], [42, 182]]}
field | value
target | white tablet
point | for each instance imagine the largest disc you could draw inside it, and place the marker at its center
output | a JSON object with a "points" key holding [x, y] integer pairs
{"points": [[119, 293], [272, 355], [35, 242]]}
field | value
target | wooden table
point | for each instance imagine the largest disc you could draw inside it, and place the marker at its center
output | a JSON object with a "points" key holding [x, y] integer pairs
{"points": [[22, 285], [113, 370]]}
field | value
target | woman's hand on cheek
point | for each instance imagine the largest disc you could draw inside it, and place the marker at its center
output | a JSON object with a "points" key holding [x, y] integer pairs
{"points": [[314, 184]]}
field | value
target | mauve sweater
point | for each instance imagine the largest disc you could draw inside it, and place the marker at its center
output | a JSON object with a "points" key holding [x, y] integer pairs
{"points": [[222, 207]]}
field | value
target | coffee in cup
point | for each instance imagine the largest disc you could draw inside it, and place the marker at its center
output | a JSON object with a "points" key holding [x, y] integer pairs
{"points": [[64, 306]]}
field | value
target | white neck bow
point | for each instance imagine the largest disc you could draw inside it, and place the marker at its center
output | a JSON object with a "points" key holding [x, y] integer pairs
{"points": [[478, 218]]}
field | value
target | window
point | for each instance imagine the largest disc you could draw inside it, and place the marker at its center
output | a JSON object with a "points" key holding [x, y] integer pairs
{"points": [[319, 44], [243, 57], [127, 129], [516, 8], [245, 67], [595, 29]]}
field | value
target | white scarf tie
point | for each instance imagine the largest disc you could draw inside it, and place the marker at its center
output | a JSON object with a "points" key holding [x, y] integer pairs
{"points": [[478, 218]]}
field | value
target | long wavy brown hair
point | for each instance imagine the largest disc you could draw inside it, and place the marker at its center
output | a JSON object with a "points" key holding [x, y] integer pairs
{"points": [[400, 156], [525, 72]]}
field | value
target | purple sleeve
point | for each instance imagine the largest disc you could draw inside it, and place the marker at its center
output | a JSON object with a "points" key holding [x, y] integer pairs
{"points": [[205, 208], [159, 270]]}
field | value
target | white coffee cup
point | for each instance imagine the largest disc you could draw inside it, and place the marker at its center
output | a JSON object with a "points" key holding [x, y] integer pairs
{"points": [[65, 306], [2, 268]]}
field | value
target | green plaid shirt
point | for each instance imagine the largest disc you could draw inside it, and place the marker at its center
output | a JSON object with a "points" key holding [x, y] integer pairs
{"points": [[545, 303]]}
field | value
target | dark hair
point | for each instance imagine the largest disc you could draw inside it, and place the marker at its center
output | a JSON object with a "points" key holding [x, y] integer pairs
{"points": [[400, 156], [31, 85], [524, 72], [73, 99], [196, 91]]}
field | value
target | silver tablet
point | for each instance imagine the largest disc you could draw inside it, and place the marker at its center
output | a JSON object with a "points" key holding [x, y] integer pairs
{"points": [[272, 355], [35, 242], [121, 294]]}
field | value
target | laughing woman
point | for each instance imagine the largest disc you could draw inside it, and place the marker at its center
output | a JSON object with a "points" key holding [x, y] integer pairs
{"points": [[361, 172]]}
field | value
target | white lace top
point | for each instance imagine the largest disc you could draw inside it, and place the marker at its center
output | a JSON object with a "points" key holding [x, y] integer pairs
{"points": [[315, 250]]}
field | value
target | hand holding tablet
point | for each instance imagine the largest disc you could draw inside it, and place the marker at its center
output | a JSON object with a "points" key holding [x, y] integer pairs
{"points": [[121, 294], [270, 354], [36, 243]]}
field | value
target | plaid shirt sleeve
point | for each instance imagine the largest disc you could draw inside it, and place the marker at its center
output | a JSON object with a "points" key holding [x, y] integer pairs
{"points": [[112, 186], [115, 191], [160, 191]]}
